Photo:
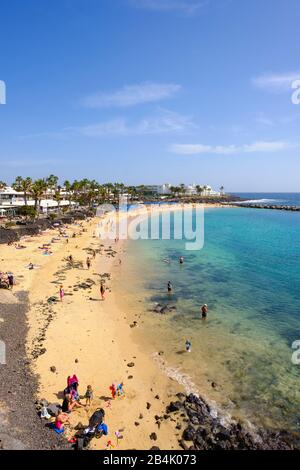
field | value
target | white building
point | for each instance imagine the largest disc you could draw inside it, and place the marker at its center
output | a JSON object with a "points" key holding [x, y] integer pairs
{"points": [[11, 200]]}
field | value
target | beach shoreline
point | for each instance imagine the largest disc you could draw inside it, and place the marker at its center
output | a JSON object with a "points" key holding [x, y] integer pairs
{"points": [[43, 323], [95, 340]]}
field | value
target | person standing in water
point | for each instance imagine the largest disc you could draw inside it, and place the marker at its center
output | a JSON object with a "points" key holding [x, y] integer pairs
{"points": [[102, 290], [169, 287], [181, 259], [204, 310], [188, 346]]}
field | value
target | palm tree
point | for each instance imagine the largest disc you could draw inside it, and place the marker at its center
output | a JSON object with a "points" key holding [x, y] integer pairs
{"points": [[2, 185], [68, 187], [205, 187], [52, 181], [38, 189], [222, 190], [199, 189], [174, 190], [58, 197], [182, 189], [23, 185]]}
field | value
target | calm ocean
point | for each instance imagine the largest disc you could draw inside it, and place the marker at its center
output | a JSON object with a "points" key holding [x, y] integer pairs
{"points": [[248, 274]]}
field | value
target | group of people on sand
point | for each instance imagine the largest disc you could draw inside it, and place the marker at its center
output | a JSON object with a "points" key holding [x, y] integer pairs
{"points": [[204, 308], [71, 402], [7, 280]]}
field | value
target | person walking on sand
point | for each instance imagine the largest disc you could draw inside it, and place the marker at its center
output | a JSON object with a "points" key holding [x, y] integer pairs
{"points": [[61, 293], [88, 262], [94, 254], [169, 287], [204, 310], [102, 291]]}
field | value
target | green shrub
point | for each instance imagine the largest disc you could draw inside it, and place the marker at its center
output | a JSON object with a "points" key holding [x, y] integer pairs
{"points": [[27, 211]]}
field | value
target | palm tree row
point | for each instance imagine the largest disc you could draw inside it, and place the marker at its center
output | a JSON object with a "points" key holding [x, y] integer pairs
{"points": [[83, 192]]}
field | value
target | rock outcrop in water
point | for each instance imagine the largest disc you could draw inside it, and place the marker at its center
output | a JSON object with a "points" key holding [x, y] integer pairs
{"points": [[163, 309], [265, 206], [203, 431]]}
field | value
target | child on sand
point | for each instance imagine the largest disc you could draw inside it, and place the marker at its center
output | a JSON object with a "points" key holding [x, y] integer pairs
{"points": [[61, 293], [102, 291], [88, 262], [89, 395], [119, 390], [112, 388]]}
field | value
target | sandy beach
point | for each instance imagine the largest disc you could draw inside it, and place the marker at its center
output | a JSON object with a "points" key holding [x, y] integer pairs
{"points": [[91, 338], [49, 339]]}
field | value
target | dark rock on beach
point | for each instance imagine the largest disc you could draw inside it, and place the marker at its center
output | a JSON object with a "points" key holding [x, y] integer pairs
{"points": [[204, 431], [20, 425]]}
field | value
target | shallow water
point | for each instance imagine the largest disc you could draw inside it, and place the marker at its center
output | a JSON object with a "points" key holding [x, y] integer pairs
{"points": [[248, 274]]}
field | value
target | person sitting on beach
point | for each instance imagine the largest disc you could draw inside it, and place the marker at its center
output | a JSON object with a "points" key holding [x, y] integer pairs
{"points": [[204, 310], [61, 420], [30, 266], [69, 404], [10, 278]]}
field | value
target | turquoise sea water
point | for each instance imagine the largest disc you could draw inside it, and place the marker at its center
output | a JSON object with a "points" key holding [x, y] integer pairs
{"points": [[248, 274], [284, 199]]}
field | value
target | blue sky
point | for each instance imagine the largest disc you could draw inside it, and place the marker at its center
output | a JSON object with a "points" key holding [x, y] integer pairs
{"points": [[152, 91]]}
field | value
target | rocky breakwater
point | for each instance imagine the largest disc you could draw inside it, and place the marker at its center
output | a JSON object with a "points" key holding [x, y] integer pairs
{"points": [[274, 207], [202, 429]]}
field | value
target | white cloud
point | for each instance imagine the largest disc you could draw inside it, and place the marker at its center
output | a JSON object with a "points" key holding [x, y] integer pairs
{"points": [[276, 83], [185, 6], [265, 120], [255, 147], [131, 95], [166, 122]]}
